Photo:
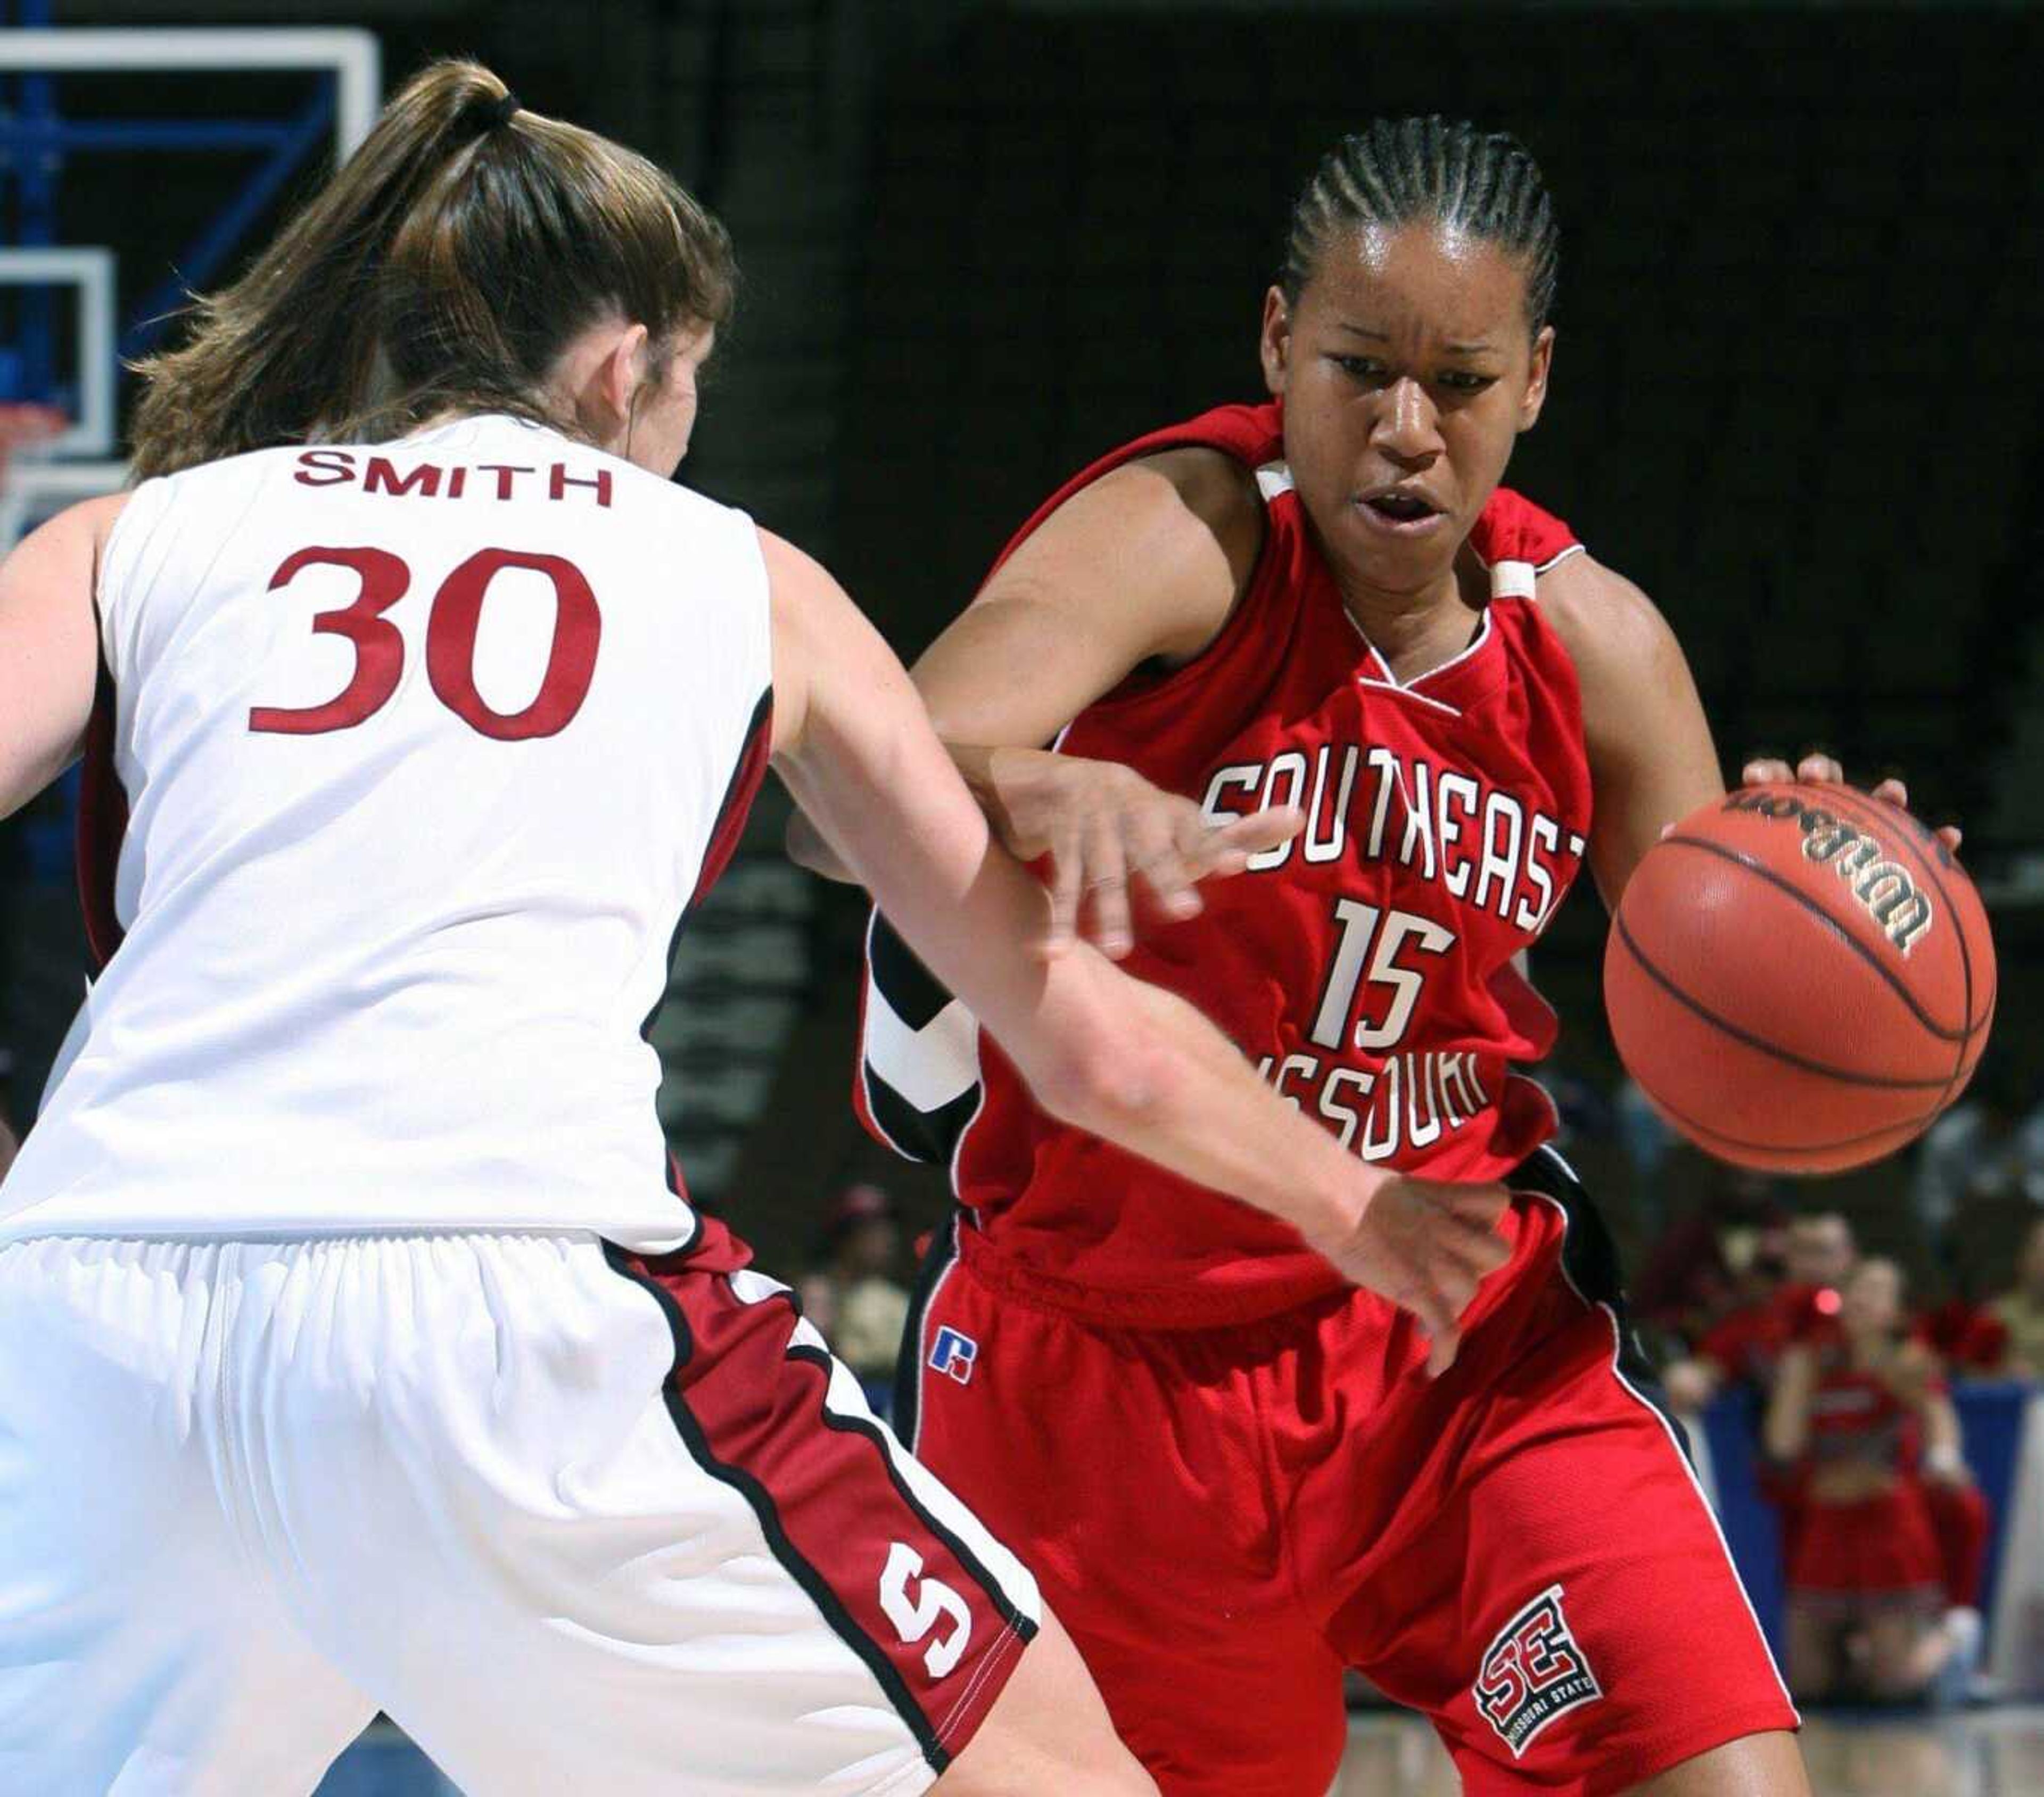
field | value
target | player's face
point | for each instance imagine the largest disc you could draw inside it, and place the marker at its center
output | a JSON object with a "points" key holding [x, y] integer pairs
{"points": [[663, 413], [1407, 370]]}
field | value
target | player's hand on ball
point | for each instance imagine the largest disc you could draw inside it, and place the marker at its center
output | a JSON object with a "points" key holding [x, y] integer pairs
{"points": [[1817, 769], [1105, 829], [1426, 1245]]}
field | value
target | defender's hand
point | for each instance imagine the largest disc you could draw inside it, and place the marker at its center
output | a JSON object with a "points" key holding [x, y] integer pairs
{"points": [[1426, 1245], [1103, 825], [1819, 769]]}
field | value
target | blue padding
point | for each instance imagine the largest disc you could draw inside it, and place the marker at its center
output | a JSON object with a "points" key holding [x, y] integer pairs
{"points": [[1752, 1527], [1990, 1416], [22, 136]]}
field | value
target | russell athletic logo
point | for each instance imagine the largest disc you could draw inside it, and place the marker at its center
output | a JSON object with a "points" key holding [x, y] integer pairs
{"points": [[953, 1354], [1533, 1672]]}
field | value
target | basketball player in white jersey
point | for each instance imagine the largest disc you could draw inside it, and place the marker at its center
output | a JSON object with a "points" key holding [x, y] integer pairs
{"points": [[356, 1349]]}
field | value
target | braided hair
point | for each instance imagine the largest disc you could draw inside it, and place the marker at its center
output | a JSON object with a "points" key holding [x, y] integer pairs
{"points": [[1396, 171]]}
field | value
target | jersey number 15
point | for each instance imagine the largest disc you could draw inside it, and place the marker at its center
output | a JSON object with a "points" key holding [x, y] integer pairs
{"points": [[450, 626]]}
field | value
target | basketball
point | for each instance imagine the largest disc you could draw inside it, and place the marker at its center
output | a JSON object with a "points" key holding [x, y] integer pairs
{"points": [[1800, 977]]}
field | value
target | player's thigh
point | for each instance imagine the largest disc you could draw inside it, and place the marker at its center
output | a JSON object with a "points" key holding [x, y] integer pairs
{"points": [[140, 1650], [645, 1535], [1573, 1621], [1118, 1463], [1048, 1730]]}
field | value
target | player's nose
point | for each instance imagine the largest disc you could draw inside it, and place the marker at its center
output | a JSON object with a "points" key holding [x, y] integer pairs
{"points": [[1407, 427]]}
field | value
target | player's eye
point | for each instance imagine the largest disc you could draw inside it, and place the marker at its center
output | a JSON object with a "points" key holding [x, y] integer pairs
{"points": [[1465, 381], [1365, 369]]}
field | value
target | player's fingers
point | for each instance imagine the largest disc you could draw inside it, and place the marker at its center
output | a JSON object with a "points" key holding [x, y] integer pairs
{"points": [[1067, 872], [1253, 834], [1765, 771], [1818, 768], [1106, 890], [1951, 835], [1164, 869], [1479, 1205], [1480, 1249], [1890, 791]]}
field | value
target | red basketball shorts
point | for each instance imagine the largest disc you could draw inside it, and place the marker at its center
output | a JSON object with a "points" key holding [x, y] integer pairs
{"points": [[1884, 1549], [1226, 1518]]}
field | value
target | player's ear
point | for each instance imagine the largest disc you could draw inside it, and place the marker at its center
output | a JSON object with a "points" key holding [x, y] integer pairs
{"points": [[1536, 395], [1276, 343], [626, 369]]}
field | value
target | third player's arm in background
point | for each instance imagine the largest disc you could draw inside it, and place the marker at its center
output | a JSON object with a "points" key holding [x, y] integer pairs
{"points": [[1122, 1060]]}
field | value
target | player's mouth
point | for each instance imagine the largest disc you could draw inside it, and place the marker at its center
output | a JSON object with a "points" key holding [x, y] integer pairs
{"points": [[1402, 510]]}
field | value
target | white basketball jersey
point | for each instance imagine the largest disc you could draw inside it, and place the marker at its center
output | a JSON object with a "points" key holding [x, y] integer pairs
{"points": [[427, 747]]}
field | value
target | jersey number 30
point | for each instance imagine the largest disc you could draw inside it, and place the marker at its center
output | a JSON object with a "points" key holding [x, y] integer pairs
{"points": [[451, 627]]}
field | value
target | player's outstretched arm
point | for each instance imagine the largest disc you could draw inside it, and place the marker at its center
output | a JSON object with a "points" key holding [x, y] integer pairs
{"points": [[1141, 567], [49, 648], [1127, 1061]]}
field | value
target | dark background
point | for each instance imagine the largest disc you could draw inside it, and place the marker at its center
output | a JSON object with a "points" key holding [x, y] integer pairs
{"points": [[1799, 392]]}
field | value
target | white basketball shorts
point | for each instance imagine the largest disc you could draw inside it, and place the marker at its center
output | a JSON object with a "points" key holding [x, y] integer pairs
{"points": [[581, 1520]]}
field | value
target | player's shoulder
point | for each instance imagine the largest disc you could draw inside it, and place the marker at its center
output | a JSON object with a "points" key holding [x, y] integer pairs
{"points": [[1193, 488], [1603, 619], [1511, 527]]}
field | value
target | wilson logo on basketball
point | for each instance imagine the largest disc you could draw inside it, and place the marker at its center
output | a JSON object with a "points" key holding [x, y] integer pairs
{"points": [[1882, 885], [1533, 1672]]}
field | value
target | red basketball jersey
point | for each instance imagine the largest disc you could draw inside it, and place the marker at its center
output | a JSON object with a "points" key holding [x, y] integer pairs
{"points": [[1366, 967]]}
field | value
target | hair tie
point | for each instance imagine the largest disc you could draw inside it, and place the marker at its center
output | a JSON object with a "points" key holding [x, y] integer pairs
{"points": [[497, 113]]}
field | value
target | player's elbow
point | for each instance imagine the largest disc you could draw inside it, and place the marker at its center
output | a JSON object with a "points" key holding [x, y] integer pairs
{"points": [[1113, 1079]]}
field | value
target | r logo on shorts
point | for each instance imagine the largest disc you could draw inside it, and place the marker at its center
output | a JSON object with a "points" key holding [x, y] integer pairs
{"points": [[953, 1354], [1533, 1672]]}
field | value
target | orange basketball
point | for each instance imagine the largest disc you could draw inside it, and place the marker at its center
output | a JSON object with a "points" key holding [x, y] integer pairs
{"points": [[1800, 977]]}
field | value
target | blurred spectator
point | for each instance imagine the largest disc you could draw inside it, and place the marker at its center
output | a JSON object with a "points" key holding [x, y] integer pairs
{"points": [[1721, 1256], [1969, 1339], [1860, 1418], [1818, 1251], [2021, 1312], [1990, 1145], [855, 1298]]}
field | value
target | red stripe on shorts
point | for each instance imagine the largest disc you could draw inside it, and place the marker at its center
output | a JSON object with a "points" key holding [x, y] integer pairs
{"points": [[899, 1586]]}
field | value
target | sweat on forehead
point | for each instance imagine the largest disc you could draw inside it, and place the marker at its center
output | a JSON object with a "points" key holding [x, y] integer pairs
{"points": [[1479, 185], [1454, 286]]}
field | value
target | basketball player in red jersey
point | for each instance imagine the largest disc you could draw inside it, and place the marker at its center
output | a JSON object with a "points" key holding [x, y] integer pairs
{"points": [[1861, 1414], [1229, 1465]]}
